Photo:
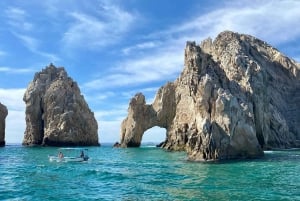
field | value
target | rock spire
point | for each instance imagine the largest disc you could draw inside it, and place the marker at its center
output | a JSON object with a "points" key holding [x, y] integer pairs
{"points": [[56, 112]]}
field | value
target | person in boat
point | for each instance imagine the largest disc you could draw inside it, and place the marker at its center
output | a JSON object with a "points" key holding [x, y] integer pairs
{"points": [[81, 154], [60, 155]]}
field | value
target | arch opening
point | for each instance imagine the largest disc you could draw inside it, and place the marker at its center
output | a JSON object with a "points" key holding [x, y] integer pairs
{"points": [[154, 136]]}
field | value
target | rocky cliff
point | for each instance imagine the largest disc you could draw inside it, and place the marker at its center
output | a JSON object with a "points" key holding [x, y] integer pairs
{"points": [[3, 114], [236, 96], [56, 112]]}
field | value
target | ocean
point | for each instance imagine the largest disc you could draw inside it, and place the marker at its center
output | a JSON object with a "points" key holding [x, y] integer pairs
{"points": [[145, 173]]}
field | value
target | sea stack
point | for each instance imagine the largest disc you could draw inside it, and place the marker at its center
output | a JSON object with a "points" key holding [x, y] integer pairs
{"points": [[235, 97], [56, 112], [3, 114]]}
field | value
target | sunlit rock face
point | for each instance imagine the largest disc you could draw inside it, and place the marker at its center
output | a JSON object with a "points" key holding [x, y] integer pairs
{"points": [[236, 96], [56, 112], [3, 114]]}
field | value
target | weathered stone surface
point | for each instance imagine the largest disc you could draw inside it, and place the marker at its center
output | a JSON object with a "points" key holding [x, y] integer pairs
{"points": [[56, 112], [3, 114], [236, 96]]}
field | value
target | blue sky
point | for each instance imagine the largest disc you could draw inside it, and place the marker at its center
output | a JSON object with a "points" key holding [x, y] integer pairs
{"points": [[116, 48]]}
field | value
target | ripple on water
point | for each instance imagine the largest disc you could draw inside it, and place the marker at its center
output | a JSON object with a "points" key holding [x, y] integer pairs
{"points": [[145, 174]]}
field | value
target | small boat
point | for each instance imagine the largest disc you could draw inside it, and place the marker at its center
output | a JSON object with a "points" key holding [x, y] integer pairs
{"points": [[70, 155]]}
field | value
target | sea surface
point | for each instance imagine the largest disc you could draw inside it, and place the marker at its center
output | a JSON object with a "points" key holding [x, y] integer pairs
{"points": [[146, 173]]}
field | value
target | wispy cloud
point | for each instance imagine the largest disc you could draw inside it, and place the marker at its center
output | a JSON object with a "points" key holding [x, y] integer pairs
{"points": [[251, 17], [33, 45], [142, 46], [156, 67], [116, 113], [15, 70], [30, 42], [99, 29], [166, 59], [21, 25], [17, 18], [99, 97]]}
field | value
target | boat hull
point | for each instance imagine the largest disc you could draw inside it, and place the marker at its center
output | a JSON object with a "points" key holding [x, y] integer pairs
{"points": [[67, 159]]}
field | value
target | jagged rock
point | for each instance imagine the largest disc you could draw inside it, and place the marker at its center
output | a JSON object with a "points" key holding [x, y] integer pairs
{"points": [[117, 145], [236, 96], [56, 112], [3, 114]]}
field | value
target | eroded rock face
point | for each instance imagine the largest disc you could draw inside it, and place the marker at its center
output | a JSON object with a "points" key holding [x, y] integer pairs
{"points": [[56, 112], [3, 114], [236, 96]]}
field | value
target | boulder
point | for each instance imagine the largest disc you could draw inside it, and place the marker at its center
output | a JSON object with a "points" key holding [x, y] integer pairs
{"points": [[235, 97], [3, 114], [56, 112]]}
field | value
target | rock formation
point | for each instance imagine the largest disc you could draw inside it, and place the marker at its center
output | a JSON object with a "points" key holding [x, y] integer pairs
{"points": [[236, 96], [56, 112], [3, 114]]}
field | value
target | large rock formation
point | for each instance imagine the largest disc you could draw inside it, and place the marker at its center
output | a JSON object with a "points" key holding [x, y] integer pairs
{"points": [[3, 114], [56, 112], [236, 96]]}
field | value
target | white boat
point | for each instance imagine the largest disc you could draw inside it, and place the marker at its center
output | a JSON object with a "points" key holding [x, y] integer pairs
{"points": [[70, 155]]}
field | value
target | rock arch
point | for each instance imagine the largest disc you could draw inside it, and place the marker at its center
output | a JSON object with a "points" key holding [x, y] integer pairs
{"points": [[228, 102], [142, 116]]}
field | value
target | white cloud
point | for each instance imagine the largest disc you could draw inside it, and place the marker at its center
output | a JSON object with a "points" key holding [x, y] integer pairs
{"points": [[104, 27], [33, 45], [28, 41], [98, 97], [117, 113], [156, 67], [268, 20], [141, 46], [19, 25], [17, 19], [15, 70], [263, 19]]}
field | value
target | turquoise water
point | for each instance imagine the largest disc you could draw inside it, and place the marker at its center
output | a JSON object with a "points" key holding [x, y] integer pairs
{"points": [[146, 173]]}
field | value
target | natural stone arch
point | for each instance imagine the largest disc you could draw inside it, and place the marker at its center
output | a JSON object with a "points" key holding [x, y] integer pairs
{"points": [[228, 102], [142, 116]]}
